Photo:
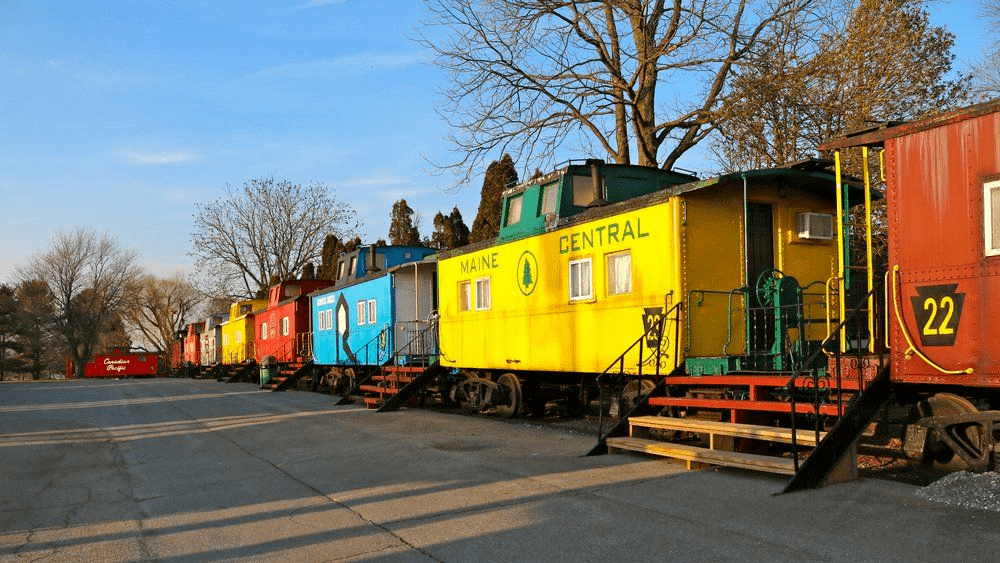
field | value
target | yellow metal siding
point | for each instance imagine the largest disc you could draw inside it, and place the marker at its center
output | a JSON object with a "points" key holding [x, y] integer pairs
{"points": [[536, 326], [234, 352]]}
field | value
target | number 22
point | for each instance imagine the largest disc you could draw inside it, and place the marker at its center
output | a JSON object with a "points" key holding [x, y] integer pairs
{"points": [[931, 304]]}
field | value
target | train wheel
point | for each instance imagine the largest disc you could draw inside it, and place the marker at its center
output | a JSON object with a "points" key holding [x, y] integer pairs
{"points": [[512, 405], [936, 452]]}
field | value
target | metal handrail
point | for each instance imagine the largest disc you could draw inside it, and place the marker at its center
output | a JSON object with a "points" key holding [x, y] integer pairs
{"points": [[658, 329], [853, 314]]}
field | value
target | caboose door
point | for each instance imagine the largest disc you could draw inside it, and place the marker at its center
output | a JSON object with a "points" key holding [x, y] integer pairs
{"points": [[760, 258]]}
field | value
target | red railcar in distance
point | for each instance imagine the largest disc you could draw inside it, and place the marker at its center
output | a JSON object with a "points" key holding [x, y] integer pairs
{"points": [[283, 328], [122, 362]]}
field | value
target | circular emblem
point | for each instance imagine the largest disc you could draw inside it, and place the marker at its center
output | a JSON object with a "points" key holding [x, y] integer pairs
{"points": [[527, 272]]}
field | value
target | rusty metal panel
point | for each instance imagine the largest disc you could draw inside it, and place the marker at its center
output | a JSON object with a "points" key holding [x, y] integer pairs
{"points": [[946, 290]]}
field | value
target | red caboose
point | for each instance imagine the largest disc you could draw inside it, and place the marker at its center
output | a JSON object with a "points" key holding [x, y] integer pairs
{"points": [[282, 330], [942, 178], [122, 362], [192, 344]]}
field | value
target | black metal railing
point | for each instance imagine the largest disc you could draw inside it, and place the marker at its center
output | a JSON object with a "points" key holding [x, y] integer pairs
{"points": [[817, 383], [648, 351], [420, 346]]}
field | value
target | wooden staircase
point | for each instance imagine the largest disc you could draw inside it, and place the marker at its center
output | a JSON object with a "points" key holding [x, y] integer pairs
{"points": [[289, 375], [720, 437], [388, 382], [240, 372], [742, 420]]}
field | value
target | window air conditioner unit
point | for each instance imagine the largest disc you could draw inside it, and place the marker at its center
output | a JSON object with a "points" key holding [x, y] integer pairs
{"points": [[815, 226]]}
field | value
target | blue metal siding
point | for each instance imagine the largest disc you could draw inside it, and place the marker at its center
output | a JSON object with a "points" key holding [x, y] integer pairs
{"points": [[363, 344]]}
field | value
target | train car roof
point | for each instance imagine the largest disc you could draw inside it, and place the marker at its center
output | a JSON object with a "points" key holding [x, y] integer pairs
{"points": [[877, 135], [811, 175]]}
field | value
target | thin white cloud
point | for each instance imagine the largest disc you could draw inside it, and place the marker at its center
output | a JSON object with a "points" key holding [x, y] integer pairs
{"points": [[156, 158], [374, 181], [347, 64], [318, 4]]}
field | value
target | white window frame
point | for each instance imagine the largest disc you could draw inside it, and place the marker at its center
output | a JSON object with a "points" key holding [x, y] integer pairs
{"points": [[484, 296], [321, 318], [626, 258], [329, 319], [284, 326], [360, 307], [576, 290], [464, 295], [990, 223], [263, 330], [372, 310]]}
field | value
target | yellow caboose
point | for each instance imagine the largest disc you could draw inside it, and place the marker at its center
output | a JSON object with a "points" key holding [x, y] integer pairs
{"points": [[238, 331], [601, 265]]}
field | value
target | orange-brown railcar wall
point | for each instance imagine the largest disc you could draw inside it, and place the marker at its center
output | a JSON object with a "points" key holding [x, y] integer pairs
{"points": [[948, 290]]}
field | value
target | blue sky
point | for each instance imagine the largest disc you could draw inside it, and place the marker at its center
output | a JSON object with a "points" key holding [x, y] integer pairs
{"points": [[119, 115]]}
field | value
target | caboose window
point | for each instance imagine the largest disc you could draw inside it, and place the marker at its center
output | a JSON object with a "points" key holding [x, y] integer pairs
{"points": [[483, 298], [514, 209], [354, 265], [322, 321], [619, 273], [284, 326], [581, 279], [583, 190], [361, 312], [991, 210], [340, 269], [263, 331], [371, 311], [549, 194], [464, 296]]}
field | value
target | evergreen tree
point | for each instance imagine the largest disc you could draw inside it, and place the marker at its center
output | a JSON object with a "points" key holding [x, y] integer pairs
{"points": [[308, 271], [402, 229], [352, 245], [332, 248], [499, 175], [449, 231]]}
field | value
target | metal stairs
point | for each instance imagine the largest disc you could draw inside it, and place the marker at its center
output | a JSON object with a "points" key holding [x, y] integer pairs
{"points": [[395, 385], [289, 375]]}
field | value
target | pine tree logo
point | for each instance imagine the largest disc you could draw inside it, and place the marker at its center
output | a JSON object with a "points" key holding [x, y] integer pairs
{"points": [[527, 272]]}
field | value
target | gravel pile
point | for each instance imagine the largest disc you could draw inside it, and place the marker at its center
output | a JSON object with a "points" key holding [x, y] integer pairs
{"points": [[962, 488]]}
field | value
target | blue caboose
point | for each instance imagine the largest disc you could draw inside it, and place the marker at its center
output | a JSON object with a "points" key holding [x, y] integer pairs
{"points": [[380, 295]]}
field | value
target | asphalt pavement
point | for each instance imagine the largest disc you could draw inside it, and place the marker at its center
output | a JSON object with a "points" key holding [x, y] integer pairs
{"points": [[187, 470]]}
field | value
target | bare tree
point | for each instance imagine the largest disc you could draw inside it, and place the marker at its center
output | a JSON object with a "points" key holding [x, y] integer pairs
{"points": [[844, 65], [986, 73], [528, 76], [265, 229], [88, 276], [160, 307]]}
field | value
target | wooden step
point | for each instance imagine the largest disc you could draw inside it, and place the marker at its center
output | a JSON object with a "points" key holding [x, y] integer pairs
{"points": [[392, 377], [744, 405], [748, 380], [378, 389], [753, 431], [698, 458]]}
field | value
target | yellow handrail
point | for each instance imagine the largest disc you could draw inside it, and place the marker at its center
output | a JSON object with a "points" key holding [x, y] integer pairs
{"points": [[909, 341]]}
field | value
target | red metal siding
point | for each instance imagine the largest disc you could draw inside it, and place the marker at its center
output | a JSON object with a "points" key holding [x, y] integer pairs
{"points": [[948, 289], [118, 364]]}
